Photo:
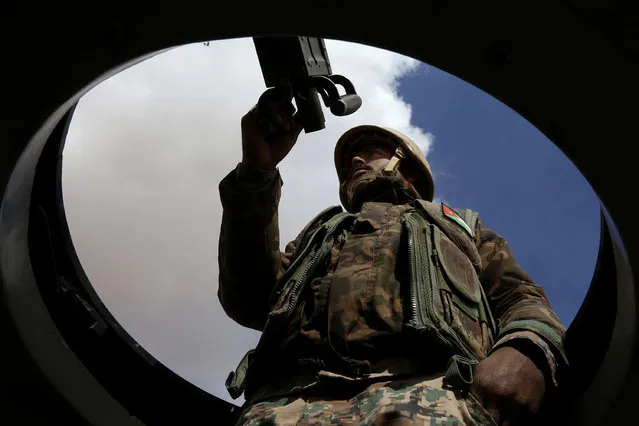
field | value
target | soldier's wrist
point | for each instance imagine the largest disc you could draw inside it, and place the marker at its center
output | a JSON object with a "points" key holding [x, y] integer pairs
{"points": [[534, 353], [258, 176]]}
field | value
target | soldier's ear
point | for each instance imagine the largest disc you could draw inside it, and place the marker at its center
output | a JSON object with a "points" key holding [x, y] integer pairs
{"points": [[408, 172]]}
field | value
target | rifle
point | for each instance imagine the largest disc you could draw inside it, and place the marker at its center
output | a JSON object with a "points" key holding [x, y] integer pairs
{"points": [[298, 67]]}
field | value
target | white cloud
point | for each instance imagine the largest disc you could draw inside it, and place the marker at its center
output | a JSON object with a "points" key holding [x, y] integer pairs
{"points": [[143, 159]]}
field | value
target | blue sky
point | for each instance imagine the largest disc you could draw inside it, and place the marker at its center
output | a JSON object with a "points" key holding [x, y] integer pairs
{"points": [[488, 158]]}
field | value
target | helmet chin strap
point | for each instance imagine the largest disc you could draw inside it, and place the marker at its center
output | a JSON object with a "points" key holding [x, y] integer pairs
{"points": [[393, 164]]}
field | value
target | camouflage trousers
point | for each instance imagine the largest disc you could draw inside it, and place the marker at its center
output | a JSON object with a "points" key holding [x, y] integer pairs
{"points": [[416, 401]]}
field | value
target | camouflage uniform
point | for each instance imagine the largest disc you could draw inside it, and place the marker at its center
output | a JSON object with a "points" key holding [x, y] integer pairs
{"points": [[398, 402], [350, 346]]}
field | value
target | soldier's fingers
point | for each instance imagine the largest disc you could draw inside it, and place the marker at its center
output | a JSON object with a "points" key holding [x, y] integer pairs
{"points": [[274, 116], [250, 114], [276, 106], [270, 96], [284, 142], [287, 109], [297, 123], [487, 402], [493, 409], [297, 128], [285, 115], [250, 119]]}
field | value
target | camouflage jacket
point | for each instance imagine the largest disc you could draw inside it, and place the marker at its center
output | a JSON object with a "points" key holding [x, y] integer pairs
{"points": [[356, 317]]}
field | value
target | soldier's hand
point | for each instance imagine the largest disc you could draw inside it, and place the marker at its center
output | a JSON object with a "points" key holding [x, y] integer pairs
{"points": [[509, 385], [265, 153]]}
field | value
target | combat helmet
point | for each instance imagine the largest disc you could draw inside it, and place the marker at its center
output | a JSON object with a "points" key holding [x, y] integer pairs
{"points": [[406, 150]]}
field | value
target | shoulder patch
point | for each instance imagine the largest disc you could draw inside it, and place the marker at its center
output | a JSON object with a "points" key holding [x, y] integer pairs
{"points": [[452, 215]]}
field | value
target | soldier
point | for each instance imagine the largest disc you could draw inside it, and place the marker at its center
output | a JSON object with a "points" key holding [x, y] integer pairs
{"points": [[397, 311]]}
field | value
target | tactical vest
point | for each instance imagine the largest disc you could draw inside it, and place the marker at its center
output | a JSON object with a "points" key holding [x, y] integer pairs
{"points": [[448, 304]]}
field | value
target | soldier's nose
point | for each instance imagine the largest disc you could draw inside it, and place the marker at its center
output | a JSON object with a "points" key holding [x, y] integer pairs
{"points": [[357, 161]]}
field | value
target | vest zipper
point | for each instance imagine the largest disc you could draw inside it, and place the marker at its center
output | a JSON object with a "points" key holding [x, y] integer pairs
{"points": [[291, 269], [416, 289], [324, 248]]}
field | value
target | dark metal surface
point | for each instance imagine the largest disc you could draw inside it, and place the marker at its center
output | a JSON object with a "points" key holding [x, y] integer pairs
{"points": [[289, 58], [301, 67], [569, 68], [143, 386]]}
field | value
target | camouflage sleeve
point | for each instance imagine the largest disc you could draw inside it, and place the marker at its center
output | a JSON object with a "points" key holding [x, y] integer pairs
{"points": [[520, 307], [250, 261]]}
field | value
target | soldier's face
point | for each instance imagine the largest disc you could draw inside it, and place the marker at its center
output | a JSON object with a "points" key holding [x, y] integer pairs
{"points": [[366, 180], [372, 156]]}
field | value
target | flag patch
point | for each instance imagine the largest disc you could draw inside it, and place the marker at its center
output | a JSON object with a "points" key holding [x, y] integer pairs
{"points": [[451, 214]]}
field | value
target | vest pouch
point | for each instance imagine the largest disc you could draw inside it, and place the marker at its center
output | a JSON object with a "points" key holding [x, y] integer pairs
{"points": [[457, 269], [460, 294], [236, 381]]}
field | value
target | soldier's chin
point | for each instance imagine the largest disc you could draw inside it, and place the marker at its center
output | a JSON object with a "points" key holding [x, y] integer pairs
{"points": [[360, 185], [386, 189]]}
